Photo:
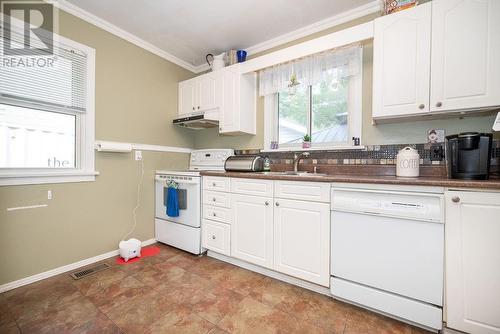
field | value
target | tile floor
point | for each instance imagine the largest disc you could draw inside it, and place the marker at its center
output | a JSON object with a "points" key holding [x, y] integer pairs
{"points": [[175, 292]]}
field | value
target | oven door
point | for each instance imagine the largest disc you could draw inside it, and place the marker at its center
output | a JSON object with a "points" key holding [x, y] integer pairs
{"points": [[188, 192]]}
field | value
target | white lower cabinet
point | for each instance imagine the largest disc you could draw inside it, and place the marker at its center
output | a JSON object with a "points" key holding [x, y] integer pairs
{"points": [[302, 240], [473, 261], [216, 236], [252, 229]]}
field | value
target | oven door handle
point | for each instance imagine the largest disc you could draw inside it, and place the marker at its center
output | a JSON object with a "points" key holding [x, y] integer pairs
{"points": [[194, 180]]}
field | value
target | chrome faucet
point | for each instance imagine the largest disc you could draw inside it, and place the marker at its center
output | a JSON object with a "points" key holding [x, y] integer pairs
{"points": [[297, 158]]}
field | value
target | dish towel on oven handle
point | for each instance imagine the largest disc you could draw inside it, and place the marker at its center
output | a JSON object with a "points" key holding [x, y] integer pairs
{"points": [[172, 199]]}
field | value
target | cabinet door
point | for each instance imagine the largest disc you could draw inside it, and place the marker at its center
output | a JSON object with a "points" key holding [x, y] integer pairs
{"points": [[187, 97], [207, 92], [465, 54], [252, 229], [401, 63], [230, 102], [302, 240], [473, 261]]}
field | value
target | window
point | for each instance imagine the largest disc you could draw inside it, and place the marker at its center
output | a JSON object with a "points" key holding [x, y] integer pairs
{"points": [[47, 114], [319, 97], [320, 111]]}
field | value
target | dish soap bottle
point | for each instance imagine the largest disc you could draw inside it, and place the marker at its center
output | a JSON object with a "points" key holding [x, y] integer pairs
{"points": [[267, 164]]}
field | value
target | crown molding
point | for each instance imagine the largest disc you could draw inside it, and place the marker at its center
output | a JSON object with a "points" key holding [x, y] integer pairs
{"points": [[111, 28], [324, 24]]}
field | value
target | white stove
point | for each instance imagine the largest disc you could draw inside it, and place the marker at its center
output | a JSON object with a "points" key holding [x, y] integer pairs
{"points": [[184, 231]]}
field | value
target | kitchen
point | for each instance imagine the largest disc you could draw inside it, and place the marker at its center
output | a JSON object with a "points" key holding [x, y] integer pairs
{"points": [[343, 179]]}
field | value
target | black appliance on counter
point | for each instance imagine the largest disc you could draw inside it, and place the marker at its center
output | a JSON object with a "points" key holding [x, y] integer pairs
{"points": [[468, 155]]}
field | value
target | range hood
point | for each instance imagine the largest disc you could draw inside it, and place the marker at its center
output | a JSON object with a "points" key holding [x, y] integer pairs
{"points": [[199, 121]]}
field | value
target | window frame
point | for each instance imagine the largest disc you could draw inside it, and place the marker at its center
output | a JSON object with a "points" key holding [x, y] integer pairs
{"points": [[354, 121], [84, 170]]}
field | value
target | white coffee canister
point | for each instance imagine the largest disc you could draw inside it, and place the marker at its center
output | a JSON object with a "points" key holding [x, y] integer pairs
{"points": [[408, 162]]}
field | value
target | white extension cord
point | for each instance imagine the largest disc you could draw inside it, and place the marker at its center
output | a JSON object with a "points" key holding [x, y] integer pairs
{"points": [[134, 211]]}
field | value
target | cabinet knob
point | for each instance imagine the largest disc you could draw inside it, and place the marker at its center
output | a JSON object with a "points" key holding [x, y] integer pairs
{"points": [[214, 214], [422, 106], [267, 203], [193, 108], [455, 199], [213, 199], [213, 184], [198, 107], [220, 129], [213, 237], [439, 104], [277, 203]]}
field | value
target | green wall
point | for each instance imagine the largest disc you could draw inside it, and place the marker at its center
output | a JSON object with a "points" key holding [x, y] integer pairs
{"points": [[136, 99]]}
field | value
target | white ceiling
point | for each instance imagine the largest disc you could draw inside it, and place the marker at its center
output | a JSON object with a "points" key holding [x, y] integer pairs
{"points": [[189, 29]]}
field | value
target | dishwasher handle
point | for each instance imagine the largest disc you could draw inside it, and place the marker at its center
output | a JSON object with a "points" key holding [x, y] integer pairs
{"points": [[411, 205]]}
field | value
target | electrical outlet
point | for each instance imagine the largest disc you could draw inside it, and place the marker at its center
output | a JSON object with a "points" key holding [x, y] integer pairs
{"points": [[437, 153], [49, 194], [138, 155]]}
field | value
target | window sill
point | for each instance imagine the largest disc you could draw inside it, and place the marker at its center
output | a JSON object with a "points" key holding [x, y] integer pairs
{"points": [[325, 148], [12, 179]]}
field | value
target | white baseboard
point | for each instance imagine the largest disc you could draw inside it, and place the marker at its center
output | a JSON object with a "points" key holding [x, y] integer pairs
{"points": [[63, 269], [271, 273]]}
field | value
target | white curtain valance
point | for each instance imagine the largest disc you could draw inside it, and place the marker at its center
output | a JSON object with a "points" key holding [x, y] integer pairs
{"points": [[338, 63]]}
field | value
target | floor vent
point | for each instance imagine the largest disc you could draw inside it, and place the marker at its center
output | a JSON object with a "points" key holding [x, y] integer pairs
{"points": [[90, 270]]}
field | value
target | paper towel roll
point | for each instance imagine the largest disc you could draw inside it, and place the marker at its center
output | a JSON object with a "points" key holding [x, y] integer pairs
{"points": [[109, 146]]}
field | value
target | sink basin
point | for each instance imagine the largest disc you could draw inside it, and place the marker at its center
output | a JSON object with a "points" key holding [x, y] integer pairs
{"points": [[291, 173]]}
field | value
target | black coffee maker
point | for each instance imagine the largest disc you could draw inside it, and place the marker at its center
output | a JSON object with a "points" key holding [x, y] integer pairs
{"points": [[468, 155]]}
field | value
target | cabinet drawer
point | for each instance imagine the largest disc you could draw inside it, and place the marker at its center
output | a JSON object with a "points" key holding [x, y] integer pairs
{"points": [[252, 187], [216, 236], [217, 198], [216, 183], [305, 191], [219, 214]]}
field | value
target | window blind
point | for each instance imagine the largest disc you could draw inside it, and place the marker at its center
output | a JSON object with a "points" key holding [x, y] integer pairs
{"points": [[55, 82]]}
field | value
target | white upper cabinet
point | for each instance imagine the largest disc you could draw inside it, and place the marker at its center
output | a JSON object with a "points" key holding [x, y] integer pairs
{"points": [[451, 44], [187, 97], [473, 261], [232, 94], [199, 94], [238, 111], [465, 63], [208, 94], [401, 65]]}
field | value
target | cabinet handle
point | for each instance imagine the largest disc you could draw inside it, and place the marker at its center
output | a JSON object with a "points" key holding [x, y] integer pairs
{"points": [[267, 203], [277, 203], [439, 104], [455, 199], [213, 237], [422, 106]]}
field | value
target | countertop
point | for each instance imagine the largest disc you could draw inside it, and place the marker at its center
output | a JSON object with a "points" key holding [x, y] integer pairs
{"points": [[493, 184]]}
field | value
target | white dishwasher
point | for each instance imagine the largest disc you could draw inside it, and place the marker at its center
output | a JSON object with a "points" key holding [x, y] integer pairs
{"points": [[388, 252]]}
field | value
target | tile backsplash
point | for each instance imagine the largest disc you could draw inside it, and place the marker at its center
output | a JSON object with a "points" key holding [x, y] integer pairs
{"points": [[370, 155]]}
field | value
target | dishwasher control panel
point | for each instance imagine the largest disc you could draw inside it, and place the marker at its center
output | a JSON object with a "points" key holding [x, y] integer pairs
{"points": [[411, 205]]}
